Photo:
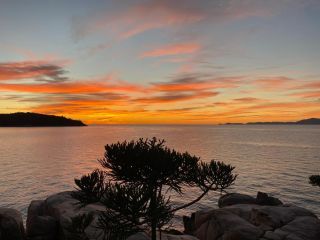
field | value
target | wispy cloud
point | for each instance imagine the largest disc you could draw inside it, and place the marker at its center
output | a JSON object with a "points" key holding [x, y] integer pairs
{"points": [[306, 94], [76, 87], [39, 70], [249, 100], [177, 97], [309, 85], [172, 49], [128, 19], [203, 97], [274, 83], [131, 19], [195, 82]]}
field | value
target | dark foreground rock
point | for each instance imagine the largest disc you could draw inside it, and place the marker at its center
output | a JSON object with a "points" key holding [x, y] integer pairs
{"points": [[235, 198], [247, 220], [164, 236], [240, 217], [265, 199], [238, 198], [11, 225], [50, 219]]}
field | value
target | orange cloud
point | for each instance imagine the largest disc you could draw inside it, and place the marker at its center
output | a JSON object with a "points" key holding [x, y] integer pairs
{"points": [[31, 70], [286, 105], [118, 112], [173, 49], [307, 94], [205, 99], [70, 87], [274, 83], [176, 97], [309, 85], [88, 106], [272, 111], [249, 100]]}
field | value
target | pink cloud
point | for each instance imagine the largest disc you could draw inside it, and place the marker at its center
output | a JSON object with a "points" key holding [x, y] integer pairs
{"points": [[132, 18], [249, 100], [173, 49], [309, 85], [31, 70], [194, 82], [158, 14], [307, 94], [177, 97], [274, 83]]}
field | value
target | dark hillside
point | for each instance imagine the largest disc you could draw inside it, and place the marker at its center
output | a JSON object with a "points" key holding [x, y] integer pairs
{"points": [[21, 119]]}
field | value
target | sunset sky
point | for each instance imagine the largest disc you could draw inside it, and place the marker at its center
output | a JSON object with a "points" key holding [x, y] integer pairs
{"points": [[182, 61]]}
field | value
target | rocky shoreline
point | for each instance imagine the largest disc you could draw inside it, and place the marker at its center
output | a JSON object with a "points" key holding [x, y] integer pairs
{"points": [[237, 217]]}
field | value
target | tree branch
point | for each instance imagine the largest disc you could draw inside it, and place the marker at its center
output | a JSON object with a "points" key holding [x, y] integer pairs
{"points": [[194, 201]]}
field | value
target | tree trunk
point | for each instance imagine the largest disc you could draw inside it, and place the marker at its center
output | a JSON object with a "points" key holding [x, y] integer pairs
{"points": [[153, 217]]}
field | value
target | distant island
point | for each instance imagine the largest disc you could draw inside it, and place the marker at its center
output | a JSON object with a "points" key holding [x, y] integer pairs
{"points": [[309, 121], [21, 119]]}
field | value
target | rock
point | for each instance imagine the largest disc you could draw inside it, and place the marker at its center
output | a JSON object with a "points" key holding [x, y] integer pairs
{"points": [[139, 236], [271, 236], [254, 222], [303, 227], [52, 217], [230, 199], [264, 199], [173, 232], [235, 198], [39, 225], [177, 237], [45, 226], [51, 220], [240, 218], [188, 223], [164, 236], [35, 209], [11, 225], [222, 222], [63, 207]]}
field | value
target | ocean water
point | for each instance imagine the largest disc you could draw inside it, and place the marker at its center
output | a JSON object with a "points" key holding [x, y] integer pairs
{"points": [[277, 159]]}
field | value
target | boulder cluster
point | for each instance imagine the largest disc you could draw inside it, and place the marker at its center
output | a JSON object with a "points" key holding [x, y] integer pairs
{"points": [[242, 217], [239, 217]]}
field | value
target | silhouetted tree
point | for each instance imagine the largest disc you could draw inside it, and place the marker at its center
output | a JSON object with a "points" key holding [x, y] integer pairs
{"points": [[78, 225], [138, 177], [314, 180]]}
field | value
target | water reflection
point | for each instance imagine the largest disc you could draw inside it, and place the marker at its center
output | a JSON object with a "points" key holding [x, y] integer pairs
{"points": [[36, 162]]}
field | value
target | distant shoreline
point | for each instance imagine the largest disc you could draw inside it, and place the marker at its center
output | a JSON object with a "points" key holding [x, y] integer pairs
{"points": [[309, 121], [29, 120]]}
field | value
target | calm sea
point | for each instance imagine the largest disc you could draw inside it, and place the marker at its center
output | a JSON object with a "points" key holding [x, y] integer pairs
{"points": [[37, 162]]}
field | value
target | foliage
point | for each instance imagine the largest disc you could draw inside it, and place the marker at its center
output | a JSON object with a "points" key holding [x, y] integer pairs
{"points": [[314, 180], [138, 177], [78, 225], [92, 187]]}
